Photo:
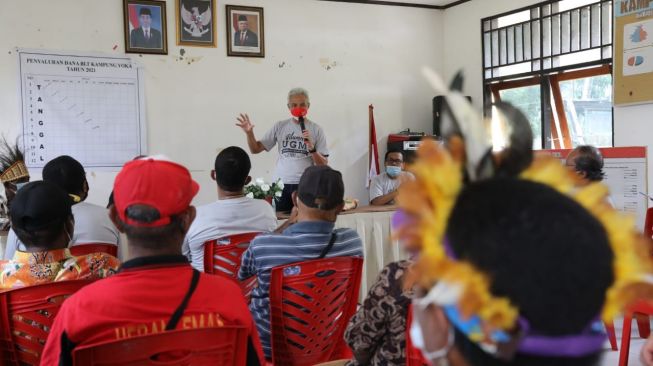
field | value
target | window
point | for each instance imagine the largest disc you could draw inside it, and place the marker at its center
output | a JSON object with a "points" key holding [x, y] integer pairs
{"points": [[553, 61]]}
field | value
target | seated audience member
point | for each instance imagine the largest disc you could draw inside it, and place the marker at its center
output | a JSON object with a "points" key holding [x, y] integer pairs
{"points": [[377, 333], [383, 187], [232, 213], [501, 278], [318, 199], [152, 207], [42, 219], [587, 161], [92, 223]]}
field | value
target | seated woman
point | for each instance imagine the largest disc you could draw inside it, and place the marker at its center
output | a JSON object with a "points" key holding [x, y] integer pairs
{"points": [[42, 218], [377, 332]]}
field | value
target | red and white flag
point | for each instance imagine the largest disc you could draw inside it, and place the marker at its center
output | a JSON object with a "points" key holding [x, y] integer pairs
{"points": [[373, 151]]}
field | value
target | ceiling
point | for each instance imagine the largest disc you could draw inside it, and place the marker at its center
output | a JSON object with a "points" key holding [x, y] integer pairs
{"points": [[433, 4], [423, 2]]}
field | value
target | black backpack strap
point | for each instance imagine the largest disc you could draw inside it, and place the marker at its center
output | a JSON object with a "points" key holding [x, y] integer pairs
{"points": [[328, 247], [174, 319]]}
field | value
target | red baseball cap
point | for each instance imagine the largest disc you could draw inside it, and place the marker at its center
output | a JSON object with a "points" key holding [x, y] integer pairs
{"points": [[160, 184]]}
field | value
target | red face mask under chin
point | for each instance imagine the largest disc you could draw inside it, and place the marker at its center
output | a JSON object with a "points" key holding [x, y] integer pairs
{"points": [[299, 112]]}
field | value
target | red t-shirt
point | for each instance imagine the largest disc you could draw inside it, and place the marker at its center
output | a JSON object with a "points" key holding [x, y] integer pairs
{"points": [[139, 300]]}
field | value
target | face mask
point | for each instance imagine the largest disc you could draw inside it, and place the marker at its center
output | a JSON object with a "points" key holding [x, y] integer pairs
{"points": [[417, 338], [20, 185], [393, 171], [70, 238], [299, 112]]}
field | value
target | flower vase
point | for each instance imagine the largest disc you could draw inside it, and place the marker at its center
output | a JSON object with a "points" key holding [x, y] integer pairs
{"points": [[268, 199]]}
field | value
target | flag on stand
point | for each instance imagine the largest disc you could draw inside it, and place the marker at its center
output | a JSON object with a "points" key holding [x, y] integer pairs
{"points": [[373, 152]]}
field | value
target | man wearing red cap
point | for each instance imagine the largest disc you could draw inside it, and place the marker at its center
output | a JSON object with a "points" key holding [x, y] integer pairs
{"points": [[156, 289]]}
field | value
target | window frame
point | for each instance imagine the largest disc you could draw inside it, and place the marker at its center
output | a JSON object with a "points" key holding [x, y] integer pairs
{"points": [[548, 78]]}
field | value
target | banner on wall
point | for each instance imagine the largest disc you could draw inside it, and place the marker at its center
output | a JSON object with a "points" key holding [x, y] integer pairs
{"points": [[86, 105], [633, 51], [626, 174]]}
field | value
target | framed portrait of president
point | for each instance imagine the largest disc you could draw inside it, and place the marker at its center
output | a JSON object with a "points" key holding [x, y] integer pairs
{"points": [[245, 31], [145, 26]]}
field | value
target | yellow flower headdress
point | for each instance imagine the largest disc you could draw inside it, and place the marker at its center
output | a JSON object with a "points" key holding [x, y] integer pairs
{"points": [[440, 174]]}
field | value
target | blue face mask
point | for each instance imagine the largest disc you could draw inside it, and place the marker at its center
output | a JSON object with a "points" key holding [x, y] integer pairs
{"points": [[393, 171]]}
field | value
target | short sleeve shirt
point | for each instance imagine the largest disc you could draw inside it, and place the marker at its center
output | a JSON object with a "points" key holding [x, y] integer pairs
{"points": [[28, 269], [226, 217], [294, 157], [382, 184]]}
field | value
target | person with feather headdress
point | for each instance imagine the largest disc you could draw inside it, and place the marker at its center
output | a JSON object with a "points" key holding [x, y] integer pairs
{"points": [[13, 171]]}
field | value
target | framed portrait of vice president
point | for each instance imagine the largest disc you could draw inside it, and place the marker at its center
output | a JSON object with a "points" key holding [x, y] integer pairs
{"points": [[245, 31]]}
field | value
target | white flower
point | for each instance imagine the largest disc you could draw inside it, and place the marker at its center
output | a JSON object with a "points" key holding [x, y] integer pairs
{"points": [[259, 181], [250, 195], [278, 194], [265, 187], [280, 184]]}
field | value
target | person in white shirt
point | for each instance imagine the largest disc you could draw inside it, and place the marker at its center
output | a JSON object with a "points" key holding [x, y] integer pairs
{"points": [[92, 223], [299, 146], [383, 187], [232, 213]]}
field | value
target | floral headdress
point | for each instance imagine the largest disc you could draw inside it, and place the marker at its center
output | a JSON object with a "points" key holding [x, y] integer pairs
{"points": [[463, 291]]}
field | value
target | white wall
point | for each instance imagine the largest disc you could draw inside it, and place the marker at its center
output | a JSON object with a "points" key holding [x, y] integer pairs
{"points": [[633, 125], [346, 55], [462, 41]]}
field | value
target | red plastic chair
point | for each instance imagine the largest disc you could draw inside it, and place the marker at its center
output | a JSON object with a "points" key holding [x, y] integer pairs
{"points": [[648, 223], [198, 347], [413, 355], [84, 249], [310, 305], [222, 257], [26, 316], [641, 308], [612, 335]]}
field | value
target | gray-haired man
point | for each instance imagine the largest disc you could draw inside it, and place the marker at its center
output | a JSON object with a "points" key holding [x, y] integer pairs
{"points": [[298, 149]]}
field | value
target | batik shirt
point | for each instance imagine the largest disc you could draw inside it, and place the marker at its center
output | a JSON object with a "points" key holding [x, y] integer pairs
{"points": [[28, 269], [377, 332]]}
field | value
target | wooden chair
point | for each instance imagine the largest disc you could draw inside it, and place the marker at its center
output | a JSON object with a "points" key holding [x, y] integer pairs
{"points": [[26, 316], [198, 347], [310, 305], [222, 257]]}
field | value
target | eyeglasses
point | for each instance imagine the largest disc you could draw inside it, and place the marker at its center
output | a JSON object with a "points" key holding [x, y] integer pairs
{"points": [[394, 161]]}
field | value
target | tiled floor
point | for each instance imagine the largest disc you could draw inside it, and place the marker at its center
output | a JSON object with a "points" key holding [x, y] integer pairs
{"points": [[611, 358]]}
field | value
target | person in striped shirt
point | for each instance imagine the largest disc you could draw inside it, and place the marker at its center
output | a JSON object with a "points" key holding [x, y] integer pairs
{"points": [[318, 200]]}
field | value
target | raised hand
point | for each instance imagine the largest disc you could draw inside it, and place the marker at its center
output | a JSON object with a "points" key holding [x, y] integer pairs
{"points": [[245, 123]]}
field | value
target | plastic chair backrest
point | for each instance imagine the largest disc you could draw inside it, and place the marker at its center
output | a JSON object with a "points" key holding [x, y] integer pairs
{"points": [[310, 305], [198, 347], [222, 257], [84, 249], [26, 316], [648, 224], [413, 355]]}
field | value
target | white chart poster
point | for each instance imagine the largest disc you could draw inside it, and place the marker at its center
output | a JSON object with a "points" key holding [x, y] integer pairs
{"points": [[626, 175], [87, 106]]}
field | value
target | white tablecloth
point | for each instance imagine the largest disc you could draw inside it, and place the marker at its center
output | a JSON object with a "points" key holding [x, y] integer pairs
{"points": [[375, 232]]}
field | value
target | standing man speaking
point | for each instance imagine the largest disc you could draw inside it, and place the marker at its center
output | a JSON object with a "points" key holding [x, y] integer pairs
{"points": [[300, 146]]}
